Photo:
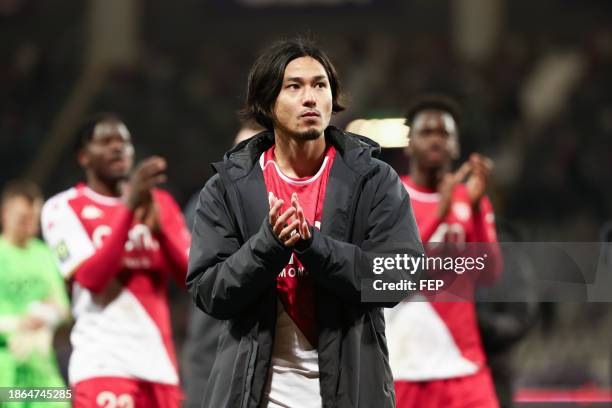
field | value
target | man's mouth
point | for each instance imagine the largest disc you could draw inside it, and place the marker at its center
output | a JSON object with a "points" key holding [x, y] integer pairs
{"points": [[121, 160], [311, 114]]}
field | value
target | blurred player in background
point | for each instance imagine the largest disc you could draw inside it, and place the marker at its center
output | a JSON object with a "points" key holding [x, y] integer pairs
{"points": [[118, 239], [435, 348], [33, 301]]}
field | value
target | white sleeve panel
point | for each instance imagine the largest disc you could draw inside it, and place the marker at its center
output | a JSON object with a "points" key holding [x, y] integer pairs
{"points": [[64, 233]]}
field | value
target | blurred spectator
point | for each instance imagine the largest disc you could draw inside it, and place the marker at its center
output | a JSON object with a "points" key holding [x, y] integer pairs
{"points": [[33, 301]]}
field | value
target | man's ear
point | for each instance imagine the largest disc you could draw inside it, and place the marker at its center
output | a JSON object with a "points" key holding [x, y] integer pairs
{"points": [[83, 158], [455, 150], [407, 151]]}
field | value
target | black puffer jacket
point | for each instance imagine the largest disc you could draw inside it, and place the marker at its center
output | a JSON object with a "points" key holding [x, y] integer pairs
{"points": [[235, 258]]}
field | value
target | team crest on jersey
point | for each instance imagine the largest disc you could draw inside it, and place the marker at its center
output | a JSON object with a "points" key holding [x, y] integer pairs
{"points": [[62, 252], [91, 212]]}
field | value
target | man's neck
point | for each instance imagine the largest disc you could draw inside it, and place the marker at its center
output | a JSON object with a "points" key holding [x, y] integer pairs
{"points": [[103, 188], [428, 178], [15, 239], [299, 158]]}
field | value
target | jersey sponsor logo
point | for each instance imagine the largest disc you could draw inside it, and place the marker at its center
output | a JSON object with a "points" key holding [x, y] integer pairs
{"points": [[91, 212], [139, 238], [290, 271], [99, 233]]}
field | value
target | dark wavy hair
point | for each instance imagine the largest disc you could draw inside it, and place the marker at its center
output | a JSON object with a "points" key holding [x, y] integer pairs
{"points": [[267, 73]]}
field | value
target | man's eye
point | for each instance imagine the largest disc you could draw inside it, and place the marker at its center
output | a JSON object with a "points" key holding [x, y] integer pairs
{"points": [[293, 86], [321, 85]]}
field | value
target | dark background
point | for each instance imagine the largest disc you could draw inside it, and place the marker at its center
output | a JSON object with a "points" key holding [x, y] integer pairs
{"points": [[534, 79]]}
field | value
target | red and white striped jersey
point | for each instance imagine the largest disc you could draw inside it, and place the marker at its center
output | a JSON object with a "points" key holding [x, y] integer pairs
{"points": [[119, 301], [439, 340]]}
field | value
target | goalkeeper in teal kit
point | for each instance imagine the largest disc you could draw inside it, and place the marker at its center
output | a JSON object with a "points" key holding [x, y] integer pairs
{"points": [[32, 298]]}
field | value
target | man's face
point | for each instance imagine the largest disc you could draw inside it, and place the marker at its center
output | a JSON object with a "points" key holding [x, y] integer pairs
{"points": [[110, 153], [20, 217], [303, 106], [433, 139]]}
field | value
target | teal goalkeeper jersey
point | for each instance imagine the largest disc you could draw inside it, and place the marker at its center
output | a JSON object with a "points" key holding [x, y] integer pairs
{"points": [[27, 275]]}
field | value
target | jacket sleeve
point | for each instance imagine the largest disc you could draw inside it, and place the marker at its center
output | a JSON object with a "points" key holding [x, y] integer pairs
{"points": [[225, 277], [342, 267]]}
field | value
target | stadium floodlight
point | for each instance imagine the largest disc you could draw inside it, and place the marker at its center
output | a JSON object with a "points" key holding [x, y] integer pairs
{"points": [[388, 133]]}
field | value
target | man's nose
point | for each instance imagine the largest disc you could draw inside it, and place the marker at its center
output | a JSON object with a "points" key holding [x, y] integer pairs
{"points": [[437, 138], [117, 145], [309, 98]]}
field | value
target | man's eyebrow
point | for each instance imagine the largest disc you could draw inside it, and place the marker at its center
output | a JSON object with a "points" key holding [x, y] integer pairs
{"points": [[301, 79]]}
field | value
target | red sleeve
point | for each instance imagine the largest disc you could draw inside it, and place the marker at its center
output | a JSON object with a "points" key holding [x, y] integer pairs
{"points": [[429, 226], [484, 232], [484, 222], [174, 236], [98, 270]]}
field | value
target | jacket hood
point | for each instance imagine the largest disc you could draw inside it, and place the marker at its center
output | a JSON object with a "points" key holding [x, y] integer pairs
{"points": [[356, 151]]}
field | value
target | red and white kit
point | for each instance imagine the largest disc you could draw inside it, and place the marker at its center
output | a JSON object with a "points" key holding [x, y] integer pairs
{"points": [[294, 374], [436, 353], [119, 271]]}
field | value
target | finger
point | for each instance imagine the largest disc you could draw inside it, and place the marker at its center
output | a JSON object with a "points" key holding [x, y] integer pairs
{"points": [[292, 240], [488, 163], [305, 230], [285, 216], [463, 171], [156, 180], [300, 214], [295, 200], [156, 161], [474, 156], [282, 221], [481, 161], [274, 211], [285, 233], [153, 182], [151, 166], [139, 213], [482, 170]]}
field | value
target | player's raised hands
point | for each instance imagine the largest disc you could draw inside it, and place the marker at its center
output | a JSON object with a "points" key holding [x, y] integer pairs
{"points": [[285, 225], [304, 228], [447, 185], [476, 183], [147, 174]]}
